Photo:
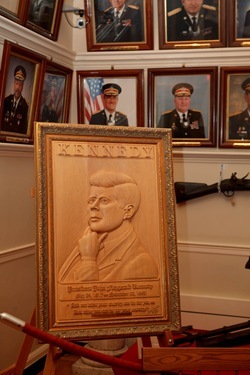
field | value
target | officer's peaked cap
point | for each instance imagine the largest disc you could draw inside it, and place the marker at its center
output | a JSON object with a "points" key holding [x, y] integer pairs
{"points": [[111, 89], [246, 85], [182, 89], [20, 73]]}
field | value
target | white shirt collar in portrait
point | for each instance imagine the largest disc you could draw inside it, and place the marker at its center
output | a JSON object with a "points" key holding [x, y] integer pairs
{"points": [[120, 11]]}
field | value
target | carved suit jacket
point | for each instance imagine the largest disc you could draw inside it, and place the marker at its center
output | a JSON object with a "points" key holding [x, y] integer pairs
{"points": [[122, 259]]}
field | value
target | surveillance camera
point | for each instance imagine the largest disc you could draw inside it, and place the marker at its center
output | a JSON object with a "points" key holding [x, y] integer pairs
{"points": [[81, 22]]}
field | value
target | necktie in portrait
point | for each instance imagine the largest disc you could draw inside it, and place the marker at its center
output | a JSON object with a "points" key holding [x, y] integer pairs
{"points": [[184, 120], [194, 24], [110, 121]]}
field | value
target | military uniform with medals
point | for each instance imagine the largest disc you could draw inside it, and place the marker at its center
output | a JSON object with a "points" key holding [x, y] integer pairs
{"points": [[239, 126], [181, 28], [100, 118], [15, 111], [194, 127], [124, 27], [239, 123], [103, 117], [191, 125]]}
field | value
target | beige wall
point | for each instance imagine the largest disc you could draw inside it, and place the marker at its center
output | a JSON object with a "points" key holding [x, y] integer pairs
{"points": [[212, 232]]}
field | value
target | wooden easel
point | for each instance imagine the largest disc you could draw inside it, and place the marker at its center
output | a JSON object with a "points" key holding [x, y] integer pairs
{"points": [[155, 360]]}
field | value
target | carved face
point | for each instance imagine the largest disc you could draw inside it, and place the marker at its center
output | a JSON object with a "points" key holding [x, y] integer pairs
{"points": [[105, 213], [192, 6]]}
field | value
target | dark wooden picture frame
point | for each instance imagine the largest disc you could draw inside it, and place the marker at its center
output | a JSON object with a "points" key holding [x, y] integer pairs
{"points": [[234, 117], [56, 93], [132, 31], [130, 100], [200, 129], [15, 10], [21, 70], [175, 26], [46, 19], [238, 27], [138, 293]]}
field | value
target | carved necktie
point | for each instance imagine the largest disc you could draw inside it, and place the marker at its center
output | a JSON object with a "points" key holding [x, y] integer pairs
{"points": [[194, 25]]}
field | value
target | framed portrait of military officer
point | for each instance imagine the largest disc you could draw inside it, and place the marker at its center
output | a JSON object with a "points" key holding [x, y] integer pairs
{"points": [[56, 90], [22, 72], [184, 100], [191, 24], [106, 241], [238, 27], [111, 97], [44, 17], [119, 25], [235, 107]]}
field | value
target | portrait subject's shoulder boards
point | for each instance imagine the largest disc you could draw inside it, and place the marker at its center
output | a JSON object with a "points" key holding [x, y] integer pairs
{"points": [[174, 11], [166, 112], [108, 9], [133, 7], [121, 114], [100, 111], [209, 7], [235, 114]]}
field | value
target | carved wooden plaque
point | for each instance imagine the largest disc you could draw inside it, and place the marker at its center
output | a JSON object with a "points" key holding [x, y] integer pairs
{"points": [[106, 240]]}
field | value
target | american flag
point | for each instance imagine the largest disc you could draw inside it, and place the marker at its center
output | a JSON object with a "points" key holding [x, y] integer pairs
{"points": [[92, 94], [60, 98]]}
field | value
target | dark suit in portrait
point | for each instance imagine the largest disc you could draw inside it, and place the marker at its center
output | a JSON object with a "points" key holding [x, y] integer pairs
{"points": [[41, 13], [49, 114], [180, 27], [193, 129], [109, 115], [239, 123], [15, 119], [100, 118], [15, 107], [246, 28], [239, 126], [125, 27], [184, 122]]}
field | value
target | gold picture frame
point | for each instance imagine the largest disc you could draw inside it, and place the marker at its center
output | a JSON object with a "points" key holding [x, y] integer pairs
{"points": [[75, 302]]}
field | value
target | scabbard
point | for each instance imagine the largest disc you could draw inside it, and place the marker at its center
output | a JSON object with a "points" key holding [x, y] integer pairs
{"points": [[68, 346]]}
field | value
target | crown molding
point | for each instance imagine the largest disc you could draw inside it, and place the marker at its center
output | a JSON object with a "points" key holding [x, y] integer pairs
{"points": [[15, 33]]}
